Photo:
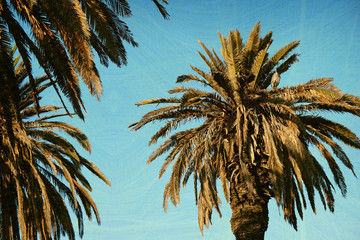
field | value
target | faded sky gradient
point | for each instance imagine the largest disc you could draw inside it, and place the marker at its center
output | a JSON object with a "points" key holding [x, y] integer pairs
{"points": [[132, 208]]}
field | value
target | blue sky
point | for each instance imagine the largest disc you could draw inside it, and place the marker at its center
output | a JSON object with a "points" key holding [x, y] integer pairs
{"points": [[132, 208]]}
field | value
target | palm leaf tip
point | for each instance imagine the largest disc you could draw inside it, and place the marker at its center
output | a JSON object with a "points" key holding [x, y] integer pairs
{"points": [[162, 9]]}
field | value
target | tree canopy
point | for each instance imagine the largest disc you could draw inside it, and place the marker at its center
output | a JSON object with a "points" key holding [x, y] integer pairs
{"points": [[63, 38], [256, 139], [40, 169]]}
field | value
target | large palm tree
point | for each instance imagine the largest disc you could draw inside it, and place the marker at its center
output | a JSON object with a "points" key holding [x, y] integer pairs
{"points": [[40, 169], [254, 138], [64, 35]]}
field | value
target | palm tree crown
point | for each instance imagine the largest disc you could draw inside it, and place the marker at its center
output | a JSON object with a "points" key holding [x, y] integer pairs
{"points": [[256, 140], [40, 170], [64, 36]]}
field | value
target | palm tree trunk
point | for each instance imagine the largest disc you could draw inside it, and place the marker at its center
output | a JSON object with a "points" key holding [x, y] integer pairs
{"points": [[5, 215], [249, 218]]}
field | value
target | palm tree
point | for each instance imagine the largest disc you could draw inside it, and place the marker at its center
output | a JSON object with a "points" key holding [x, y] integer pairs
{"points": [[40, 169], [256, 140], [64, 36]]}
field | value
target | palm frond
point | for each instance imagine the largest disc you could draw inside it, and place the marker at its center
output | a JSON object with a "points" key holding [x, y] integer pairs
{"points": [[162, 9]]}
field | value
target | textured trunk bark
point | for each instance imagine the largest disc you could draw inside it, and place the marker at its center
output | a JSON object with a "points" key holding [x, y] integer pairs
{"points": [[5, 215], [249, 216]]}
